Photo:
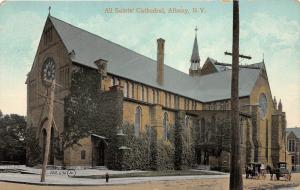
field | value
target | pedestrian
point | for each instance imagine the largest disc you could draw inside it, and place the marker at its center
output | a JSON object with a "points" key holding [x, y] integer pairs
{"points": [[106, 177]]}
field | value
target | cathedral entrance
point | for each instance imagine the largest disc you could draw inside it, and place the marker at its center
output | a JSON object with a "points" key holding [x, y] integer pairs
{"points": [[44, 139], [100, 153], [198, 156], [99, 149]]}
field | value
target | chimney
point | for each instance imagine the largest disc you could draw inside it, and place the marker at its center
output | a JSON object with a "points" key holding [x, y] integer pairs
{"points": [[160, 60]]}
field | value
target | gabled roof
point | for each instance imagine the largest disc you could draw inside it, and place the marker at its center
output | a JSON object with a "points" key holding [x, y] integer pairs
{"points": [[128, 64], [295, 130], [217, 86], [260, 65], [213, 62]]}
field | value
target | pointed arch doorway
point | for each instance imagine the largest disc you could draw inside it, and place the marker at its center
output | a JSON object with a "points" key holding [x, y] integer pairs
{"points": [[43, 138], [99, 150]]}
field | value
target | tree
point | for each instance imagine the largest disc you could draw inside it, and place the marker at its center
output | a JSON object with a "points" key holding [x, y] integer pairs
{"points": [[236, 181], [178, 142], [12, 137], [223, 138], [82, 107], [215, 139]]}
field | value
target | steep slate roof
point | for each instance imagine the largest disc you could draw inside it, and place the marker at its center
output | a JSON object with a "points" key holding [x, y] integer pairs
{"points": [[134, 66], [217, 86], [295, 130]]}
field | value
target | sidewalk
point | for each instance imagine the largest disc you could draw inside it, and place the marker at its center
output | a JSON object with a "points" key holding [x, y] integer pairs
{"points": [[79, 172], [66, 181]]}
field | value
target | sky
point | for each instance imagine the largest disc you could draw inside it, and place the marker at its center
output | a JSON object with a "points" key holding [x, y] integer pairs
{"points": [[268, 28]]}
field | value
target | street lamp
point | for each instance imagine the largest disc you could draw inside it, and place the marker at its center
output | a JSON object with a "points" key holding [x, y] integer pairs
{"points": [[122, 148]]}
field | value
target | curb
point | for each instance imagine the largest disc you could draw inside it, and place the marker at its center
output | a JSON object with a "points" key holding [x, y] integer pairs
{"points": [[55, 184], [108, 184]]}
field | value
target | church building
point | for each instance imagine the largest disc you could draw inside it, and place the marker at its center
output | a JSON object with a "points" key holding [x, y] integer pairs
{"points": [[123, 87]]}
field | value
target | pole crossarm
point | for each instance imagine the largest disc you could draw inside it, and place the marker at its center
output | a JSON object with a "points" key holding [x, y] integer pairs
{"points": [[241, 66], [240, 55]]}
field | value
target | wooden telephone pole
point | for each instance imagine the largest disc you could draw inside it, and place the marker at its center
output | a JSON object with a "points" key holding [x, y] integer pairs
{"points": [[236, 180], [50, 102]]}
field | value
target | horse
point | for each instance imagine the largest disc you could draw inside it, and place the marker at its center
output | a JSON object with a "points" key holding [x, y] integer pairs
{"points": [[251, 171], [271, 171], [248, 171]]}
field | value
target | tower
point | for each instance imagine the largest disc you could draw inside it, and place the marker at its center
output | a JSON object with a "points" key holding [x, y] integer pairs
{"points": [[195, 69]]}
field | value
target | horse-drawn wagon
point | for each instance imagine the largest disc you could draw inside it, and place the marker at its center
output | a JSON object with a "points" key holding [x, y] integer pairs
{"points": [[282, 171], [255, 170]]}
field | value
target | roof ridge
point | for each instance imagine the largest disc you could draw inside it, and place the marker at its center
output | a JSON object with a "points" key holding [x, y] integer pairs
{"points": [[116, 44], [215, 73], [101, 37]]}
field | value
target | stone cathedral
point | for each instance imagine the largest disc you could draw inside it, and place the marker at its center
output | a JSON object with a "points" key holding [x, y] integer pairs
{"points": [[142, 92]]}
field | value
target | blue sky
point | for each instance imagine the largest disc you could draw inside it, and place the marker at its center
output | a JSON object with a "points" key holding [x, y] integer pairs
{"points": [[271, 27]]}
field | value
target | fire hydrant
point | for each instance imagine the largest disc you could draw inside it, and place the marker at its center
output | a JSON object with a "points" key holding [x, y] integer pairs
{"points": [[106, 177]]}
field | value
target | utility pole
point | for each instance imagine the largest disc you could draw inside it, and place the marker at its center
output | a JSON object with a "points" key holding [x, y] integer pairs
{"points": [[236, 180], [50, 102]]}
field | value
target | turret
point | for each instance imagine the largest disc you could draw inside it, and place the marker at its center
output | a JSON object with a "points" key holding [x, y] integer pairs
{"points": [[280, 106], [275, 103], [195, 69]]}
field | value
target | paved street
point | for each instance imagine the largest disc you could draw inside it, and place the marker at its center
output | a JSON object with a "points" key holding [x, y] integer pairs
{"points": [[178, 183]]}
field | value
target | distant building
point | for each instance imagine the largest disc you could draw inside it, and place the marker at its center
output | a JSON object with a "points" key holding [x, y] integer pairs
{"points": [[293, 147], [147, 93]]}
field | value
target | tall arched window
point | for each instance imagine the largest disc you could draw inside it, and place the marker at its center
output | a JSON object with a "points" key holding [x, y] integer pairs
{"points": [[203, 129], [138, 121], [147, 95], [198, 129], [117, 81], [125, 89], [187, 128], [132, 88], [129, 89], [112, 81], [143, 93], [213, 123], [166, 99], [165, 125], [83, 154], [186, 121]]}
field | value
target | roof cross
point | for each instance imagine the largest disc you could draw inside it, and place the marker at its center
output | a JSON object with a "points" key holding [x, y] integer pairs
{"points": [[196, 29]]}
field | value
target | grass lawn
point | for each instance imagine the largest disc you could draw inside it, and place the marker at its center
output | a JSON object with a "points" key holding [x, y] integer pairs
{"points": [[150, 174]]}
